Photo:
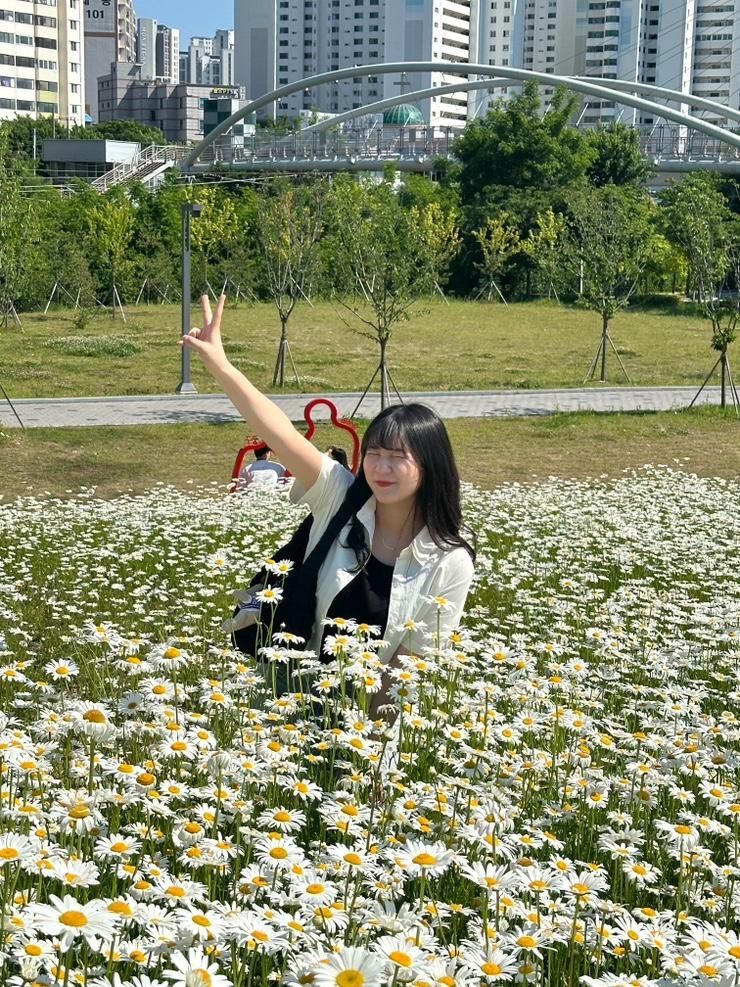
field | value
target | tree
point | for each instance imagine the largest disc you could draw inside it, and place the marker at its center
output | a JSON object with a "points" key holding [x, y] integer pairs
{"points": [[697, 218], [20, 234], [515, 145], [616, 157], [544, 245], [120, 130], [499, 242], [289, 224], [111, 228], [215, 230], [439, 230], [607, 249], [382, 261]]}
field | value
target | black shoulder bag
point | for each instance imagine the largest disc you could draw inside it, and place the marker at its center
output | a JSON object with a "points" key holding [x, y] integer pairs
{"points": [[296, 611]]}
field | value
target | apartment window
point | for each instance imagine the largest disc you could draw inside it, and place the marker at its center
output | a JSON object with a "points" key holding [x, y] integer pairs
{"points": [[73, 45], [46, 43], [7, 59], [74, 66], [74, 25], [6, 38]]}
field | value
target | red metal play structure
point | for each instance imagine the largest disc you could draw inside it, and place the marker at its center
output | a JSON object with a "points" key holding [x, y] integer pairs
{"points": [[336, 421]]}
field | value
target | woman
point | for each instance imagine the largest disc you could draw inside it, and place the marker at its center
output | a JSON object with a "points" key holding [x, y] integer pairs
{"points": [[401, 562]]}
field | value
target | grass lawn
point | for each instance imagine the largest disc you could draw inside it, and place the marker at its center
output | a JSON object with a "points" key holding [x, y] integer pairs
{"points": [[456, 346], [490, 452]]}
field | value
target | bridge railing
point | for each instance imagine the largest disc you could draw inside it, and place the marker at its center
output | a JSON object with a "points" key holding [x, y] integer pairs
{"points": [[393, 143], [667, 141]]}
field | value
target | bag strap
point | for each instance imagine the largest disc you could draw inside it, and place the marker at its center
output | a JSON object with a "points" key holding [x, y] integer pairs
{"points": [[356, 496]]}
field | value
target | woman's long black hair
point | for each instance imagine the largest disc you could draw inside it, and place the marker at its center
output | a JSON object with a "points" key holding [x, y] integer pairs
{"points": [[421, 432]]}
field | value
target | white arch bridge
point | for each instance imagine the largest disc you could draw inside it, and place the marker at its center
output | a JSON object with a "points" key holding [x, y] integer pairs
{"points": [[680, 141]]}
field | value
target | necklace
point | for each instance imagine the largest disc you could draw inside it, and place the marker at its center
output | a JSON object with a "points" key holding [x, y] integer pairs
{"points": [[394, 546]]}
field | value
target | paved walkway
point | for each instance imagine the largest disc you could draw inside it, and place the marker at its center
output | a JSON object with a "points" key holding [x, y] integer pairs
{"points": [[211, 408]]}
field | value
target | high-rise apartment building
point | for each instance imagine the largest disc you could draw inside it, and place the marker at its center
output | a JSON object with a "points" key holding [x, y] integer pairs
{"points": [[158, 50], [282, 41], [42, 61], [110, 36], [167, 60], [146, 46], [430, 31], [209, 61], [687, 45]]}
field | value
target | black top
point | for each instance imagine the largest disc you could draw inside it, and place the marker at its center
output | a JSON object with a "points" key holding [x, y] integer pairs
{"points": [[364, 599]]}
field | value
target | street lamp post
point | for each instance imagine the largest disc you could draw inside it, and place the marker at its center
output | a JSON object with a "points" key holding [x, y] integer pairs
{"points": [[189, 210]]}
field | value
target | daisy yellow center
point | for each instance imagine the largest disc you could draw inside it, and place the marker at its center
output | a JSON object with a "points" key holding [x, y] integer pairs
{"points": [[159, 690], [315, 888], [172, 653], [491, 969], [353, 858], [121, 908], [400, 958], [73, 919], [640, 869], [259, 935], [199, 978], [424, 859], [119, 847], [33, 949], [350, 810], [580, 889], [137, 955], [282, 817], [9, 853], [708, 970], [538, 885], [146, 778], [179, 745], [79, 811], [95, 716], [193, 827], [175, 891], [734, 952], [349, 978], [683, 830], [202, 920], [279, 853], [526, 942]]}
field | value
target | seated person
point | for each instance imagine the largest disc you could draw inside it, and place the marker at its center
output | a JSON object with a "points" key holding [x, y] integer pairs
{"points": [[336, 452], [263, 471]]}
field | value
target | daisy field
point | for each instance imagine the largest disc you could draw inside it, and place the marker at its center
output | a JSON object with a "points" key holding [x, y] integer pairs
{"points": [[556, 802]]}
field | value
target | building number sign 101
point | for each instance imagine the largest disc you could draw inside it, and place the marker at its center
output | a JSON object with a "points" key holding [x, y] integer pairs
{"points": [[100, 15]]}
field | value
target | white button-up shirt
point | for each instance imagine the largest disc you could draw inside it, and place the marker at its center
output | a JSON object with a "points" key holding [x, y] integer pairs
{"points": [[423, 571]]}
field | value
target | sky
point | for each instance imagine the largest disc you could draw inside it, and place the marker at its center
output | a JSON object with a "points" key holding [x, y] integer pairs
{"points": [[191, 16]]}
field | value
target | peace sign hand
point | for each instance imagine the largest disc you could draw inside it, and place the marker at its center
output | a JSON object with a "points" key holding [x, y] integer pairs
{"points": [[207, 341]]}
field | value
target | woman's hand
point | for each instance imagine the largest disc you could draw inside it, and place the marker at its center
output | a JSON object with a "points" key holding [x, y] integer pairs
{"points": [[207, 341]]}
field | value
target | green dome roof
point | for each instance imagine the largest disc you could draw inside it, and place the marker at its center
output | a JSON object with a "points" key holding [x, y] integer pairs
{"points": [[404, 115]]}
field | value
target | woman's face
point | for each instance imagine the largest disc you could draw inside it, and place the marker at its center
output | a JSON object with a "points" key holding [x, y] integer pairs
{"points": [[393, 475]]}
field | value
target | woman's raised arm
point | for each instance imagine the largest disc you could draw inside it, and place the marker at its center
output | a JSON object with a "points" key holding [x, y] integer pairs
{"points": [[261, 414]]}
